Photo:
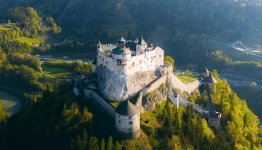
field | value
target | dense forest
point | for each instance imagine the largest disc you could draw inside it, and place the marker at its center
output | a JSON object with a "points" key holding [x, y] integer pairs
{"points": [[53, 118], [176, 25], [59, 120]]}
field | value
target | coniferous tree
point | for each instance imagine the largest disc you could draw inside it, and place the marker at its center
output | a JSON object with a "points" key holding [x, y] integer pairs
{"points": [[109, 145]]}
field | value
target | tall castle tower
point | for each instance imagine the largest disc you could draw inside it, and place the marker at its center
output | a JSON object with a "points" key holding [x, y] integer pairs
{"points": [[127, 120]]}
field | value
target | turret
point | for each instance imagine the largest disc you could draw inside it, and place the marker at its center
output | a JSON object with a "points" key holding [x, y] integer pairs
{"points": [[127, 120], [142, 45], [121, 41], [121, 53], [210, 82]]}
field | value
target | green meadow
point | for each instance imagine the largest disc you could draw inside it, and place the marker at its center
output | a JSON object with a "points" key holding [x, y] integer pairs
{"points": [[56, 71]]}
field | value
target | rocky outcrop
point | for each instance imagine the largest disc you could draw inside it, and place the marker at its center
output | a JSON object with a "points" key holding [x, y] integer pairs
{"points": [[117, 87]]}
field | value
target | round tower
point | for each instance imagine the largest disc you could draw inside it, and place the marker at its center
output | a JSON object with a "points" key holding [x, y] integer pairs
{"points": [[127, 120], [122, 55]]}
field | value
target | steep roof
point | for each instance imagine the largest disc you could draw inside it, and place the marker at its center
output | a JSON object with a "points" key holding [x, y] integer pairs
{"points": [[142, 41], [126, 108], [121, 39], [210, 79], [206, 71], [121, 50]]}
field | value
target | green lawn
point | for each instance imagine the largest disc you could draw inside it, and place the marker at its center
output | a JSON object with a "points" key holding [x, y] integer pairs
{"points": [[115, 104], [59, 72], [10, 103], [186, 79], [31, 41]]}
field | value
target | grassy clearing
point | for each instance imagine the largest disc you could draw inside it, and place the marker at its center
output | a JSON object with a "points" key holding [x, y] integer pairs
{"points": [[59, 72], [10, 103], [31, 41], [115, 104], [186, 79]]}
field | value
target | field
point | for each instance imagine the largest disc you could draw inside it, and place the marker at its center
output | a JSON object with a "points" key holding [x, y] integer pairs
{"points": [[58, 72], [32, 41], [11, 104]]}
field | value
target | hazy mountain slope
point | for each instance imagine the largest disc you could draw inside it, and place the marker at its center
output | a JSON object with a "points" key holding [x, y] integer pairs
{"points": [[98, 18]]}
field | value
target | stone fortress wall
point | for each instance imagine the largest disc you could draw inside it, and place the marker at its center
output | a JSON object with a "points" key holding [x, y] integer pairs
{"points": [[100, 102], [155, 85]]}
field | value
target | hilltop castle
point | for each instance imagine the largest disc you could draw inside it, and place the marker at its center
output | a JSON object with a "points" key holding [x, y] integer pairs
{"points": [[132, 70], [126, 67]]}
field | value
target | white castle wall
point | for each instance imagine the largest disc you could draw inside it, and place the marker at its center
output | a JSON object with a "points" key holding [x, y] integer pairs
{"points": [[126, 124], [149, 61], [118, 82]]}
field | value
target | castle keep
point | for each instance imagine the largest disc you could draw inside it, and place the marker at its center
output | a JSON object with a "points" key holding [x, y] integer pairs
{"points": [[126, 67]]}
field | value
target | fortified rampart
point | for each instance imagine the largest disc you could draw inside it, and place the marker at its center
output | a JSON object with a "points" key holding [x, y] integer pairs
{"points": [[155, 85], [100, 103]]}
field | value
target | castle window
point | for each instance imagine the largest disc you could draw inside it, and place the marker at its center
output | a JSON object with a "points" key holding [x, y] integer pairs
{"points": [[130, 123], [133, 64], [159, 55], [119, 121]]}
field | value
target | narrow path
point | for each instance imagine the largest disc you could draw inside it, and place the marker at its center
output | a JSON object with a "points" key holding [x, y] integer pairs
{"points": [[41, 70], [238, 49]]}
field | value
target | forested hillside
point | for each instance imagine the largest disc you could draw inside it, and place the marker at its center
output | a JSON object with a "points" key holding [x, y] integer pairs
{"points": [[52, 118], [61, 121]]}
